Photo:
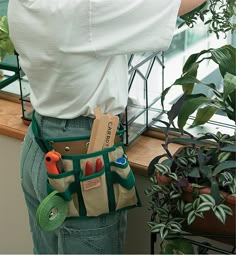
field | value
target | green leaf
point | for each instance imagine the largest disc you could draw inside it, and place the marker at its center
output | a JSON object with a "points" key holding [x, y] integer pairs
{"points": [[174, 195], [175, 227], [194, 172], [182, 246], [205, 206], [229, 84], [204, 114], [215, 192], [175, 108], [163, 232], [162, 211], [225, 57], [183, 161], [226, 209], [191, 217], [190, 105], [193, 59], [163, 169], [151, 224], [223, 156], [151, 166], [180, 206], [206, 171], [199, 214], [220, 214], [167, 249], [163, 95], [196, 203], [157, 228], [188, 207], [173, 176], [185, 80], [207, 198], [223, 166]]}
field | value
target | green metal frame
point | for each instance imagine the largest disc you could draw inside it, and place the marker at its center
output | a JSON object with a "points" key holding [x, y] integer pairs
{"points": [[12, 78]]}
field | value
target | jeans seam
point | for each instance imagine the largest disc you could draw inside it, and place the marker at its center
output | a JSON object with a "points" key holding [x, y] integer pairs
{"points": [[23, 163]]}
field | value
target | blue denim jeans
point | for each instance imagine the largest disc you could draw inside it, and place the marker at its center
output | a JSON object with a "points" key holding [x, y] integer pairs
{"points": [[99, 235]]}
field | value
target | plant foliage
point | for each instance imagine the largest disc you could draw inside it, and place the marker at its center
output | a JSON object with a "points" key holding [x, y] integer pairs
{"points": [[217, 14], [205, 106], [6, 45]]}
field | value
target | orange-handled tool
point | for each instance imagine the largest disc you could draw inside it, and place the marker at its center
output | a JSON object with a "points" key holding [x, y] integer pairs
{"points": [[52, 160]]}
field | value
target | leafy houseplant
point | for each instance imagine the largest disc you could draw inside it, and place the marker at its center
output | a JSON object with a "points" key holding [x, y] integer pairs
{"points": [[199, 180], [206, 106], [217, 14]]}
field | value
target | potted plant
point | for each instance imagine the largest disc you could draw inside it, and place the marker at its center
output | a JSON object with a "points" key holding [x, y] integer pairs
{"points": [[199, 180]]}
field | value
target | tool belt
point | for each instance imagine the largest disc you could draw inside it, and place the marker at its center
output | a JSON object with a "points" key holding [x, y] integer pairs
{"points": [[91, 183]]}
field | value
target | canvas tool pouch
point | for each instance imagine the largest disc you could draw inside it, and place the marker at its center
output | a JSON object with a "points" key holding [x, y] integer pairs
{"points": [[110, 189]]}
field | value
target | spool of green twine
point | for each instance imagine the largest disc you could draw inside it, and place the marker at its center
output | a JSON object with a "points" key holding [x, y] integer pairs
{"points": [[51, 212]]}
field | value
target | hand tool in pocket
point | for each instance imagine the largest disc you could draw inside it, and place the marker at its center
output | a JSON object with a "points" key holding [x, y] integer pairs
{"points": [[51, 212], [111, 131], [53, 162], [98, 133], [89, 169], [99, 165]]}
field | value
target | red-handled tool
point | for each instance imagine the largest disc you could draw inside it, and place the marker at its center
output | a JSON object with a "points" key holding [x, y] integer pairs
{"points": [[52, 160], [99, 165], [88, 168]]}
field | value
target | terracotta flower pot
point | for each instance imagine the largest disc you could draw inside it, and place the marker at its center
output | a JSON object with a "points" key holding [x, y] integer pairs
{"points": [[210, 225], [162, 179]]}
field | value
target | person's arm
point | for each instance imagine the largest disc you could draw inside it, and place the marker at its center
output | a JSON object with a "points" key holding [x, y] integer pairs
{"points": [[188, 5]]}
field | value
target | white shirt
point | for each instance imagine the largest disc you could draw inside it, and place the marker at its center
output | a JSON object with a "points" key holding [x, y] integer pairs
{"points": [[74, 51]]}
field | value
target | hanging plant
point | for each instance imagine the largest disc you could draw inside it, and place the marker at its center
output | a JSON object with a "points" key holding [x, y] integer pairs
{"points": [[217, 14]]}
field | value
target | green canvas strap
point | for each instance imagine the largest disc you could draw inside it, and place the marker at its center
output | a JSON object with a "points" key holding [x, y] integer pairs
{"points": [[127, 183]]}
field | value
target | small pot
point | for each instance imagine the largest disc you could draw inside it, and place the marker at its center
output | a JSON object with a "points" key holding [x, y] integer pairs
{"points": [[210, 225], [162, 179]]}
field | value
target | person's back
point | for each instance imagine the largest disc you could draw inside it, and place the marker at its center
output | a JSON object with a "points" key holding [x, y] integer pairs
{"points": [[73, 52]]}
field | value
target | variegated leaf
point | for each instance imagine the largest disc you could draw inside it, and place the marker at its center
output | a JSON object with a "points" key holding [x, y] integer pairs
{"points": [[226, 209], [220, 214], [188, 207], [163, 232], [191, 217], [196, 203], [207, 198]]}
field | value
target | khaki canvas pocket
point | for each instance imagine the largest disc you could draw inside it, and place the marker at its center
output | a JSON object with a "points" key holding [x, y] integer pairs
{"points": [[124, 184], [61, 183]]}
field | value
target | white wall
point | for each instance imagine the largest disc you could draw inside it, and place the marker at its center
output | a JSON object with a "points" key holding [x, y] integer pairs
{"points": [[14, 231]]}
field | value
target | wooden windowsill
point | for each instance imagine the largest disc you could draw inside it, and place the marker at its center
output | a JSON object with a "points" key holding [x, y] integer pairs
{"points": [[11, 123], [140, 152]]}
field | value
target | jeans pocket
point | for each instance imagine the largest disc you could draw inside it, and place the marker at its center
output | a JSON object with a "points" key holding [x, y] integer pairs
{"points": [[91, 240]]}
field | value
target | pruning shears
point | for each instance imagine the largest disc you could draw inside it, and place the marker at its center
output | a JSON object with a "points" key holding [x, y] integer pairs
{"points": [[89, 167], [53, 162]]}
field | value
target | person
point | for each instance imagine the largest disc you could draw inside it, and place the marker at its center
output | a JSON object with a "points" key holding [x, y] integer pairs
{"points": [[74, 54]]}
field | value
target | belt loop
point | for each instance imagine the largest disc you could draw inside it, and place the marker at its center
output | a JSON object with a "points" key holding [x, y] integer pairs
{"points": [[35, 130]]}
